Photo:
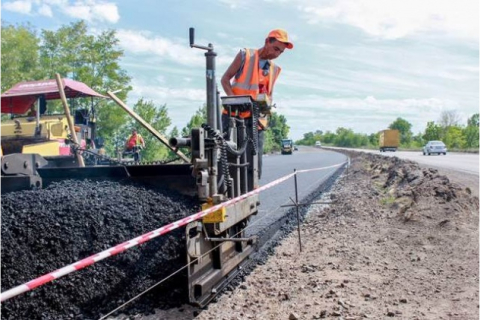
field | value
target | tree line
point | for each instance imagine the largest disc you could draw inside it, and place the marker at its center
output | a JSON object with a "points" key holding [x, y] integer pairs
{"points": [[448, 128]]}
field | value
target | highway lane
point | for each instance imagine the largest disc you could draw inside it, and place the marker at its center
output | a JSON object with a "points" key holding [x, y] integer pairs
{"points": [[463, 162], [457, 161], [276, 166]]}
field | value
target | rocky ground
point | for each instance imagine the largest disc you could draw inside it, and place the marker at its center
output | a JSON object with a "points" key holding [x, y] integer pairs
{"points": [[401, 241]]}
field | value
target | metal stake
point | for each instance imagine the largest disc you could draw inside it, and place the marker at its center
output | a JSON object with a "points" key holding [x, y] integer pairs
{"points": [[298, 214]]}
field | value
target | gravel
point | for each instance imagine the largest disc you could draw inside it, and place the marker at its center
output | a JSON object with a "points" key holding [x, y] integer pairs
{"points": [[43, 230]]}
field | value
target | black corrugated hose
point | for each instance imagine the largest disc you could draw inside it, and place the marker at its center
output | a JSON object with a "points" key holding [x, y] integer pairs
{"points": [[223, 153]]}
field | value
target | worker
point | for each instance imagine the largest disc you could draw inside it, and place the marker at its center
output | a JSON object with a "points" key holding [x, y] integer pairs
{"points": [[135, 140], [32, 112], [253, 73]]}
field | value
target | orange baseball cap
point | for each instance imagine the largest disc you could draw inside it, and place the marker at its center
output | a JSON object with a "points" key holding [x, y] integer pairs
{"points": [[282, 36]]}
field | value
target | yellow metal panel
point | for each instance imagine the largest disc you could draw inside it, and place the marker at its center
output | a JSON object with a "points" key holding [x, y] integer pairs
{"points": [[26, 126], [20, 127], [56, 130], [216, 216], [50, 148]]}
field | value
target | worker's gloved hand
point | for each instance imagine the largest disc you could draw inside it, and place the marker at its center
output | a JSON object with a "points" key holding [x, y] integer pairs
{"points": [[264, 103]]}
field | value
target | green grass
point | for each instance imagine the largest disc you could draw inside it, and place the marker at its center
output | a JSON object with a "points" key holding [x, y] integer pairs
{"points": [[388, 200]]}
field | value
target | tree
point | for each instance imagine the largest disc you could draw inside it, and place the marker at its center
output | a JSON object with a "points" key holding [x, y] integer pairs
{"points": [[344, 137], [432, 132], [94, 60], [277, 130], [307, 138], [404, 127], [471, 132], [328, 137], [418, 140], [449, 118], [473, 120], [373, 139], [199, 118], [454, 138], [20, 59], [174, 133], [158, 118]]}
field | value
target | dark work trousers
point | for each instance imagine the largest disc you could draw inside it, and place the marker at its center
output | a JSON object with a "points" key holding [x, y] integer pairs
{"points": [[261, 140]]}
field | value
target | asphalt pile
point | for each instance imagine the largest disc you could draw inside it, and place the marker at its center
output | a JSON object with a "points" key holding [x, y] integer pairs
{"points": [[44, 230]]}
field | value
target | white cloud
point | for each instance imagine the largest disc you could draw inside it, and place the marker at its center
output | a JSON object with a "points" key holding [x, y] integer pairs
{"points": [[45, 10], [89, 10], [177, 50], [23, 7], [54, 2], [143, 42], [233, 4], [392, 19], [161, 94], [107, 11], [92, 10]]}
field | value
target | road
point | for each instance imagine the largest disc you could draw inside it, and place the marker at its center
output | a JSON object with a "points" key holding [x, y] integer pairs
{"points": [[462, 162], [461, 168], [276, 166]]}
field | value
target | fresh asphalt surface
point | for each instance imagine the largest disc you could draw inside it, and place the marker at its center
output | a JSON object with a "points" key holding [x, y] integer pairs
{"points": [[276, 166]]}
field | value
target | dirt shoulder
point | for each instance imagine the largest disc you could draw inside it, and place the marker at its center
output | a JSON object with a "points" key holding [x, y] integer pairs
{"points": [[401, 241]]}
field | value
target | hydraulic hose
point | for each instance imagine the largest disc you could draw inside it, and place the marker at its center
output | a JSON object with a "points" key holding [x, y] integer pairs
{"points": [[256, 114], [223, 153]]}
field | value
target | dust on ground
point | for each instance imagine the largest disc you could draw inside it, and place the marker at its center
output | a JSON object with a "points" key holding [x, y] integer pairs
{"points": [[401, 241]]}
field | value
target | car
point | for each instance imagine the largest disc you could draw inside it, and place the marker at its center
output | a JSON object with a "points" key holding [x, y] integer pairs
{"points": [[295, 148], [318, 144], [435, 146]]}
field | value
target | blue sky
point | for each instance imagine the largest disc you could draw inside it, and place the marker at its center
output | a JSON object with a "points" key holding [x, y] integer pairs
{"points": [[357, 64]]}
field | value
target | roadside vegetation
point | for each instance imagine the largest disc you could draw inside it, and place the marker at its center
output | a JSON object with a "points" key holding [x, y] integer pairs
{"points": [[457, 136]]}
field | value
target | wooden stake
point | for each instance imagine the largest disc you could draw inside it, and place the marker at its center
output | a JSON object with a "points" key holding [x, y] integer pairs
{"points": [[69, 117]]}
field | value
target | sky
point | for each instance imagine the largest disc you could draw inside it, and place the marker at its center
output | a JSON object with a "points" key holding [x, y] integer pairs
{"points": [[356, 64]]}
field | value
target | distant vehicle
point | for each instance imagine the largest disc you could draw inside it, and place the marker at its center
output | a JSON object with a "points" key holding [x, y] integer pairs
{"points": [[437, 147], [295, 148], [389, 140], [318, 144], [287, 146]]}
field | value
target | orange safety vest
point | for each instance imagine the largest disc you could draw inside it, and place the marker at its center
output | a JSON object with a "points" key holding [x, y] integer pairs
{"points": [[134, 141], [249, 81]]}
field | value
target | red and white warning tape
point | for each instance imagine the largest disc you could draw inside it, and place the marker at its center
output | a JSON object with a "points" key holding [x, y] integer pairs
{"points": [[139, 240]]}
